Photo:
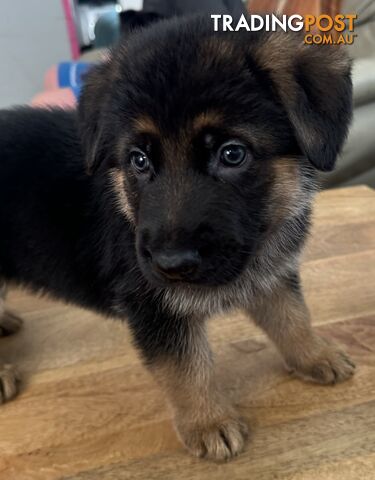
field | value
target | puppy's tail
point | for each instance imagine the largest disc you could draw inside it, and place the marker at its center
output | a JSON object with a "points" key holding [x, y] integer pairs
{"points": [[131, 20]]}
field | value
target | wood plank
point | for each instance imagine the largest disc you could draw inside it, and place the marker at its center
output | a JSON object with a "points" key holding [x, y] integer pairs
{"points": [[345, 434], [345, 206], [339, 240]]}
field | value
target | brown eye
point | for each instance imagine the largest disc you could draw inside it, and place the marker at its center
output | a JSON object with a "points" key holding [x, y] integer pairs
{"points": [[139, 161], [232, 155]]}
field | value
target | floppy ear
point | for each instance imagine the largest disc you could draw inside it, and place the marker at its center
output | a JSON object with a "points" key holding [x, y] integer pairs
{"points": [[315, 88], [92, 115]]}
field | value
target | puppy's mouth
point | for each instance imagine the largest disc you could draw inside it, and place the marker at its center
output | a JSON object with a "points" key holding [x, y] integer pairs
{"points": [[180, 269], [171, 267]]}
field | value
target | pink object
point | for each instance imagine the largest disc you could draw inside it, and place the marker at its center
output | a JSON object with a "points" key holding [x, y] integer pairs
{"points": [[50, 79], [74, 45], [62, 97]]}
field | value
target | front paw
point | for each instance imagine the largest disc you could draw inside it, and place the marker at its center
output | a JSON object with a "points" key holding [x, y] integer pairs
{"points": [[217, 439], [326, 364]]}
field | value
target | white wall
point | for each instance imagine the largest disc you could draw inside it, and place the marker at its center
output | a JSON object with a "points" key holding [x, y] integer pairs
{"points": [[33, 37]]}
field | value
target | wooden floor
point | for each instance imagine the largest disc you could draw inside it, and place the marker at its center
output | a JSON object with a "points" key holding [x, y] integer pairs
{"points": [[89, 410]]}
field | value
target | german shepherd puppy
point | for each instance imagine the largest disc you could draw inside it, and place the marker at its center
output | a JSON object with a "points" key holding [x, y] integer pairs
{"points": [[182, 188]]}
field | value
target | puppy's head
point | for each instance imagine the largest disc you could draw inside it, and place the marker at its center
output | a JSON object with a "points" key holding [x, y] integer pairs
{"points": [[211, 140]]}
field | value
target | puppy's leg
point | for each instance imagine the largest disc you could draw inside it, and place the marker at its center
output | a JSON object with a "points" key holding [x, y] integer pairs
{"points": [[181, 362], [8, 374], [283, 315]]}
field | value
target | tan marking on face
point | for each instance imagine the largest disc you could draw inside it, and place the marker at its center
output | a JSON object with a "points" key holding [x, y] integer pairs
{"points": [[254, 134], [207, 119], [146, 125], [286, 195], [117, 179]]}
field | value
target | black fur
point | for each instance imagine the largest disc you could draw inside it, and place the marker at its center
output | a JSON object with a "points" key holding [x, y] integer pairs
{"points": [[131, 20], [62, 230]]}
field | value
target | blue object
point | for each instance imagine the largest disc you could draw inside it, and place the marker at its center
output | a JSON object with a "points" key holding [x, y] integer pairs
{"points": [[71, 75]]}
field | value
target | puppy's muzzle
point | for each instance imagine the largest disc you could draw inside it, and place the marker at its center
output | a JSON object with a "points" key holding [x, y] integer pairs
{"points": [[175, 264]]}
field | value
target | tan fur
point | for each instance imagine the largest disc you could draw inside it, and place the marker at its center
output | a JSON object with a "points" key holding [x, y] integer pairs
{"points": [[146, 125], [285, 318], [205, 421], [287, 195], [278, 53], [209, 301], [255, 134], [117, 179], [207, 119], [277, 56]]}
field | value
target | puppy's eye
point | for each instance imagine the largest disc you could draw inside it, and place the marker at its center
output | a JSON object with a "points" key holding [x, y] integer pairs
{"points": [[139, 161], [232, 154]]}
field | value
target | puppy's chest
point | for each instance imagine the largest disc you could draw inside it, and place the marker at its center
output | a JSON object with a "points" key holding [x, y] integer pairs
{"points": [[208, 301]]}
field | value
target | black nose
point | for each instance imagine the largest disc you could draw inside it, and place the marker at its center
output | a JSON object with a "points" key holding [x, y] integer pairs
{"points": [[176, 264]]}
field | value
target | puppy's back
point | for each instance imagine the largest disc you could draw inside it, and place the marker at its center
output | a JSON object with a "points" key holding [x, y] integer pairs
{"points": [[29, 136], [40, 163], [44, 194]]}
